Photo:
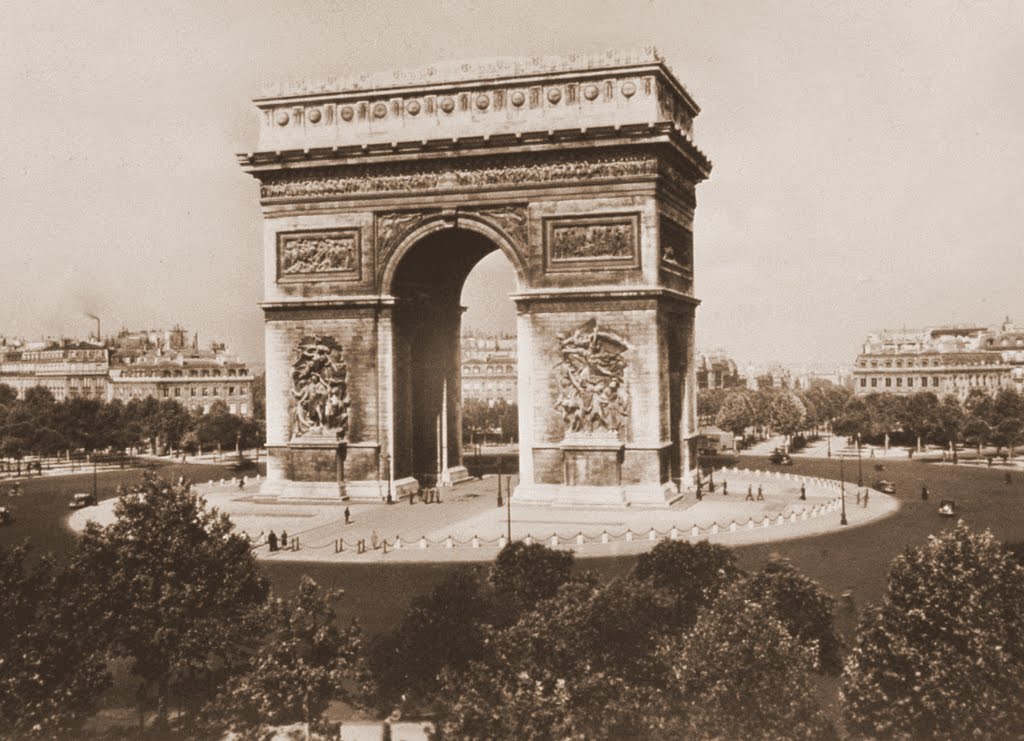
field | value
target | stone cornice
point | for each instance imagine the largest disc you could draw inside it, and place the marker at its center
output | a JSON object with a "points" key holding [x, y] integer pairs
{"points": [[471, 100], [343, 302], [579, 157], [600, 293]]}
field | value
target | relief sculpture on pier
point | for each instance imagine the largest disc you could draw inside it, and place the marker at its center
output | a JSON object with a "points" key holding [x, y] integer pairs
{"points": [[592, 396]]}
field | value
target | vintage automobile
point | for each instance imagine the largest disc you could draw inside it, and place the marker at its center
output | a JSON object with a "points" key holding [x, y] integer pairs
{"points": [[947, 508], [82, 500], [6, 516], [780, 458], [885, 486]]}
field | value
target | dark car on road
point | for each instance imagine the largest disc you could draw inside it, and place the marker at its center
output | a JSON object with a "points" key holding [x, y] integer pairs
{"points": [[780, 458], [6, 516], [947, 508], [82, 499], [885, 486]]}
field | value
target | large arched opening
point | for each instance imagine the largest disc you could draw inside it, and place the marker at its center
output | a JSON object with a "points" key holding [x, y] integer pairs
{"points": [[427, 282]]}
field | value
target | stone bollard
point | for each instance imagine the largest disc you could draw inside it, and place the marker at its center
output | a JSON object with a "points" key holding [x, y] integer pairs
{"points": [[579, 539], [673, 533], [398, 542], [750, 524], [449, 543], [554, 541], [629, 536], [423, 542], [714, 529], [502, 542], [792, 518], [803, 514], [476, 542], [652, 535], [767, 521], [604, 537], [732, 526], [781, 520], [528, 539], [695, 531]]}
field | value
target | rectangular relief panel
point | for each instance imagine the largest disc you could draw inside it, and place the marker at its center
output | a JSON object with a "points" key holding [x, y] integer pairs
{"points": [[321, 255], [584, 243]]}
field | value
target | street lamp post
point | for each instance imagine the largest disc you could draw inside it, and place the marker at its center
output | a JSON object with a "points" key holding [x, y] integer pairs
{"points": [[842, 490], [508, 504], [860, 472], [94, 478], [828, 438]]}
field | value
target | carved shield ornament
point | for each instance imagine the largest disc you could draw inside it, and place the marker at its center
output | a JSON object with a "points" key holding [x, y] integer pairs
{"points": [[320, 388], [592, 394]]}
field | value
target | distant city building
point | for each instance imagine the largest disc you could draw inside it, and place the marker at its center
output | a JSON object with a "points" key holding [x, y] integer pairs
{"points": [[68, 368], [716, 370], [489, 364], [771, 376], [132, 365], [945, 360]]}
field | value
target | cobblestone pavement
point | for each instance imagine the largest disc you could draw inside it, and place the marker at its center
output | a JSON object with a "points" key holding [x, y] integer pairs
{"points": [[467, 524]]}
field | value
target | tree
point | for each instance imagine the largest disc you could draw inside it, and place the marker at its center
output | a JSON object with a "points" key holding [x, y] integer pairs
{"points": [[786, 413], [51, 664], [920, 415], [522, 575], [709, 403], [1008, 419], [887, 412], [942, 656], [8, 395], [446, 628], [736, 414], [949, 423], [855, 419], [741, 674], [692, 574], [802, 606], [302, 664], [173, 587]]}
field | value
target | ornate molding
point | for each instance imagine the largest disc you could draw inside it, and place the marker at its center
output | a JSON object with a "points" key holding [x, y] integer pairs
{"points": [[320, 389], [318, 255], [321, 183], [607, 241], [592, 396], [393, 226], [512, 220]]}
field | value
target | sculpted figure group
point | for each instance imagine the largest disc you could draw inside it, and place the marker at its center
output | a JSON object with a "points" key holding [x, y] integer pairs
{"points": [[592, 391], [320, 387]]}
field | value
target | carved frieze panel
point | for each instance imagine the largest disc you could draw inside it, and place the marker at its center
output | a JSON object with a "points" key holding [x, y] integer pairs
{"points": [[676, 247], [393, 226], [491, 172], [512, 220], [593, 398], [319, 255], [592, 242], [320, 389]]}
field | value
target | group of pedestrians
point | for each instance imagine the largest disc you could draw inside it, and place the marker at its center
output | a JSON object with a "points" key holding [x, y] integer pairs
{"points": [[276, 544]]}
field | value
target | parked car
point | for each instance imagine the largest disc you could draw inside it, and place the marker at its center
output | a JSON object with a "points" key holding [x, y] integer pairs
{"points": [[6, 516], [780, 458], [885, 486], [947, 508], [82, 500]]}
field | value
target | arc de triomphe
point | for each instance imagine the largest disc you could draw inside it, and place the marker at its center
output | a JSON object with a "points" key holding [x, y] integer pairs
{"points": [[380, 194]]}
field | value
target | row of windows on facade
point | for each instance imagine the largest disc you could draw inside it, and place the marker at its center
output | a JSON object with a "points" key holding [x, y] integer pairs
{"points": [[889, 382], [478, 369], [926, 362], [165, 391], [180, 374]]}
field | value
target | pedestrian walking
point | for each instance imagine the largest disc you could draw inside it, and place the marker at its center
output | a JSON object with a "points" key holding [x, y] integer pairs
{"points": [[803, 493], [272, 541], [924, 493], [725, 488], [348, 516], [284, 538], [241, 482], [865, 497], [858, 496], [760, 494], [750, 494]]}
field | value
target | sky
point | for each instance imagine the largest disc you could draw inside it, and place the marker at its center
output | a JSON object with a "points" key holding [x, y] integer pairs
{"points": [[868, 156]]}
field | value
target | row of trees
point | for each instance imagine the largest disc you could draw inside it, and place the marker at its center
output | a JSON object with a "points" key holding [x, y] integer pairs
{"points": [[38, 425], [768, 408], [489, 422], [686, 645], [980, 420]]}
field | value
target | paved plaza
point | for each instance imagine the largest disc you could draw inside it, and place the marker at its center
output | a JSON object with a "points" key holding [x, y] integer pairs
{"points": [[467, 525]]}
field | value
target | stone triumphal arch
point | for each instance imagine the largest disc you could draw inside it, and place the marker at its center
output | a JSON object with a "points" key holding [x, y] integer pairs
{"points": [[380, 194]]}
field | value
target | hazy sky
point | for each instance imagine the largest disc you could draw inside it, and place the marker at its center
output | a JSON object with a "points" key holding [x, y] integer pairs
{"points": [[869, 161]]}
